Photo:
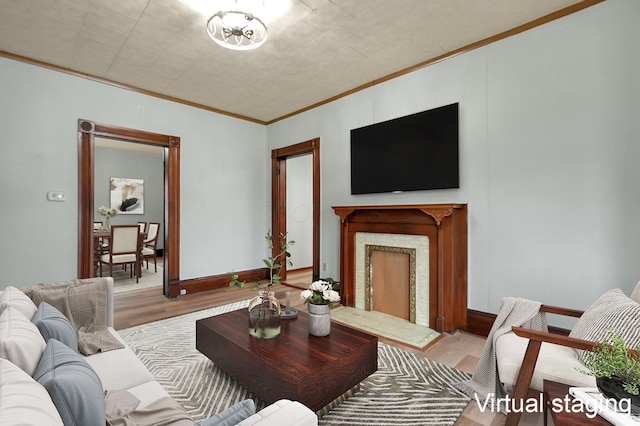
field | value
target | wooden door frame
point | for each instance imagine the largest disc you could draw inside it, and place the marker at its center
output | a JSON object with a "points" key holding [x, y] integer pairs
{"points": [[87, 131], [279, 194]]}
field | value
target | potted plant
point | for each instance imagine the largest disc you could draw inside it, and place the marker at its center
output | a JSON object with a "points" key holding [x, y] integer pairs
{"points": [[264, 309], [616, 369], [320, 297]]}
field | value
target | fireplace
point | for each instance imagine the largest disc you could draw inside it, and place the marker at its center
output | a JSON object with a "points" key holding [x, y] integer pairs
{"points": [[423, 253]]}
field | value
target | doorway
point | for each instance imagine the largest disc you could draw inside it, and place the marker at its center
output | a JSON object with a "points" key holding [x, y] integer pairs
{"points": [[279, 195], [87, 132], [135, 171]]}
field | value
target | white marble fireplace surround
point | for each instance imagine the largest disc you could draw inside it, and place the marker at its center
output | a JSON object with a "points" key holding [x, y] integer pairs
{"points": [[419, 243]]}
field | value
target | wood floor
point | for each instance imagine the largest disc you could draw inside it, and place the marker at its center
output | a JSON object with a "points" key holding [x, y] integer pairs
{"points": [[460, 350]]}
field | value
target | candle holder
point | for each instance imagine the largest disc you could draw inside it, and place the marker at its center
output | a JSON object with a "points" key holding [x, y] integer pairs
{"points": [[288, 312]]}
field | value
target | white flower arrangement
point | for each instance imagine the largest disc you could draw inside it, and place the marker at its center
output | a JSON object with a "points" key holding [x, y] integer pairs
{"points": [[321, 292], [107, 212]]}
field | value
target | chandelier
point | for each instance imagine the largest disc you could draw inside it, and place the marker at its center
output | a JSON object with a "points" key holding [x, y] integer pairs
{"points": [[237, 29]]}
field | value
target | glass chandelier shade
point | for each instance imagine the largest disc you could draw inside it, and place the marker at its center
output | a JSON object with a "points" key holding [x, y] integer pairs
{"points": [[237, 29]]}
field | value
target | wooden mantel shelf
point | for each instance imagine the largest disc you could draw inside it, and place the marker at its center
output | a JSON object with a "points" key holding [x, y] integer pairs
{"points": [[446, 227], [436, 211]]}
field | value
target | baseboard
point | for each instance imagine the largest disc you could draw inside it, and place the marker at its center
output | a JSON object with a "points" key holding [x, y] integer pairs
{"points": [[301, 270], [480, 323], [213, 282]]}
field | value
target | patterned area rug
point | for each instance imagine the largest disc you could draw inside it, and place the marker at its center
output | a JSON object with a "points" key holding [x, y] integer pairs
{"points": [[406, 389]]}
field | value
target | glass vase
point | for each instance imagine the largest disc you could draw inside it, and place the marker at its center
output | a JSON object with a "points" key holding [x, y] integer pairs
{"points": [[319, 320], [107, 224], [264, 316]]}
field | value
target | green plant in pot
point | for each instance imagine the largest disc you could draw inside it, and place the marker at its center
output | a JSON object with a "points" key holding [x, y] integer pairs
{"points": [[264, 309], [616, 369]]}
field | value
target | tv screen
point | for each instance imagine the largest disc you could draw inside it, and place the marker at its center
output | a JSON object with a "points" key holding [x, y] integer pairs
{"points": [[416, 152]]}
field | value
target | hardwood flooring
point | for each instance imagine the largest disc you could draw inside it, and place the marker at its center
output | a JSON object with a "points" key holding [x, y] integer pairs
{"points": [[460, 350]]}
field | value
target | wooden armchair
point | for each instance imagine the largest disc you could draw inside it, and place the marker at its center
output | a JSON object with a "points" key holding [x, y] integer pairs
{"points": [[628, 315], [536, 338]]}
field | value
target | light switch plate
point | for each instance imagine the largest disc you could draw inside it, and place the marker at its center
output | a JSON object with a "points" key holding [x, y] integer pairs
{"points": [[56, 196]]}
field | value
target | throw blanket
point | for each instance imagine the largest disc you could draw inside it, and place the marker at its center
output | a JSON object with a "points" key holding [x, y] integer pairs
{"points": [[84, 303], [122, 410], [513, 312]]}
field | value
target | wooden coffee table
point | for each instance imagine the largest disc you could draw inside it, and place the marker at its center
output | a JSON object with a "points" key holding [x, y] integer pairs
{"points": [[294, 365]]}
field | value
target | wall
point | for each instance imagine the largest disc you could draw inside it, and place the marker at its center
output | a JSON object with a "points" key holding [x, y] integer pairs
{"points": [[148, 166], [223, 190], [549, 131]]}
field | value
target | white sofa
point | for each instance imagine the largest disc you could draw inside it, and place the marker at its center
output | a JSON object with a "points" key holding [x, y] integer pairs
{"points": [[24, 353]]}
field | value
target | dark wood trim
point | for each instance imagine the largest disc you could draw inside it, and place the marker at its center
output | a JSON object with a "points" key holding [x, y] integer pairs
{"points": [[522, 28], [446, 227], [87, 131], [480, 323], [279, 193], [212, 282], [302, 270]]}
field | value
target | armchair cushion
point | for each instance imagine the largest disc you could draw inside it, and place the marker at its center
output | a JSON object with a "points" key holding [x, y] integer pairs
{"points": [[613, 310], [557, 363]]}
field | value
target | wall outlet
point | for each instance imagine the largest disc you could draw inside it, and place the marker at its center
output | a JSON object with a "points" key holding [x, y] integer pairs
{"points": [[183, 292]]}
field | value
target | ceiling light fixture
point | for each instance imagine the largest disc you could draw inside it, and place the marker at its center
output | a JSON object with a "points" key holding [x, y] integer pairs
{"points": [[237, 29]]}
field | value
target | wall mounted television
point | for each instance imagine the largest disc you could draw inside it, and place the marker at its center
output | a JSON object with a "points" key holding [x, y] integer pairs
{"points": [[411, 153]]}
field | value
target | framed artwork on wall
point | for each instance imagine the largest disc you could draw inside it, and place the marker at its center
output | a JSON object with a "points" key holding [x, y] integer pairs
{"points": [[127, 195]]}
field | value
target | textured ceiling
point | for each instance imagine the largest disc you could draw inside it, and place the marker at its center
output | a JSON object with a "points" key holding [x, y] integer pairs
{"points": [[316, 50]]}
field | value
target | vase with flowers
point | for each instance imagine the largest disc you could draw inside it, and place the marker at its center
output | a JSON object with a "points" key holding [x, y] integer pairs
{"points": [[107, 213], [264, 309], [320, 297]]}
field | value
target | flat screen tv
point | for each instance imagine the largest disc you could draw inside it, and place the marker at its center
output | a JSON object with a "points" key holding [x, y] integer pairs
{"points": [[416, 152]]}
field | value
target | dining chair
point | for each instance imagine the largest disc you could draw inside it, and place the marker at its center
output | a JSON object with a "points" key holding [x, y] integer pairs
{"points": [[150, 244], [124, 249], [143, 227]]}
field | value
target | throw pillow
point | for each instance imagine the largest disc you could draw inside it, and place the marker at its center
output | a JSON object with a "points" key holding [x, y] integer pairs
{"points": [[23, 399], [232, 415], [635, 294], [54, 325], [613, 310], [74, 387], [20, 340], [12, 296]]}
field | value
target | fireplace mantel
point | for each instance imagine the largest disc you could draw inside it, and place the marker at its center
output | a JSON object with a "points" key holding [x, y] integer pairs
{"points": [[446, 227]]}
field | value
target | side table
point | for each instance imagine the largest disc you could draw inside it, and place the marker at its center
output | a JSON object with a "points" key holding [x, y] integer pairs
{"points": [[555, 390]]}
